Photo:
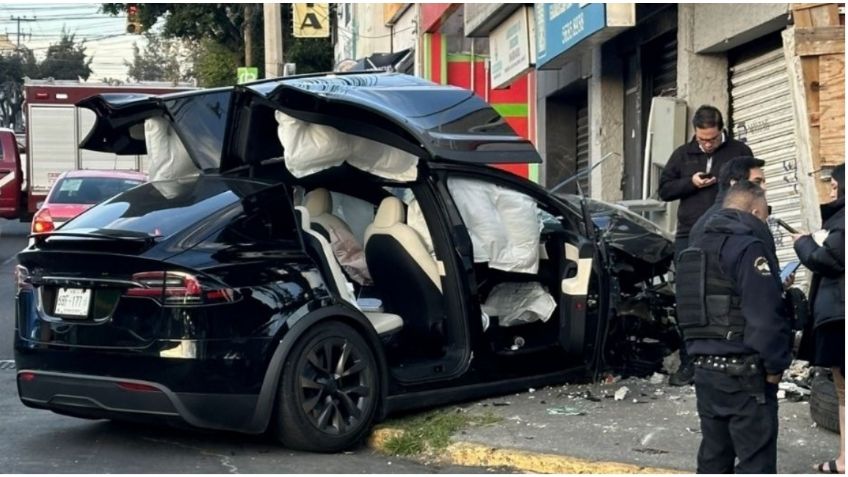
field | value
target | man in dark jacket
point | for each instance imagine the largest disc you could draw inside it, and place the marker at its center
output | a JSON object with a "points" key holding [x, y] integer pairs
{"points": [[742, 168], [689, 175], [742, 342]]}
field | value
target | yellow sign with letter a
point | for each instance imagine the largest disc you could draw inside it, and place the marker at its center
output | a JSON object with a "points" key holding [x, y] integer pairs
{"points": [[311, 20]]}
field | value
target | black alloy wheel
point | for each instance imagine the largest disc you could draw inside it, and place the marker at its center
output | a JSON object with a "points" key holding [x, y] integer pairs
{"points": [[330, 390]]}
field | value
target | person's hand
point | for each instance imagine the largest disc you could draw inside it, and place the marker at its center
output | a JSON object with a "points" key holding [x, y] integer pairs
{"points": [[699, 181], [773, 378], [790, 280]]}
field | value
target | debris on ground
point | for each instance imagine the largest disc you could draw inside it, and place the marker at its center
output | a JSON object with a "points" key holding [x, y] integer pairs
{"points": [[671, 363], [565, 411], [793, 392], [657, 378], [610, 379], [621, 393]]}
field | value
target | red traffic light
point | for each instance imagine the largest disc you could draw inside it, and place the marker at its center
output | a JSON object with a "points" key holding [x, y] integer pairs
{"points": [[132, 9]]}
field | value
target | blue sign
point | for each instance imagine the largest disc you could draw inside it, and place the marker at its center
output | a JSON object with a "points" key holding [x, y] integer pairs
{"points": [[560, 26]]}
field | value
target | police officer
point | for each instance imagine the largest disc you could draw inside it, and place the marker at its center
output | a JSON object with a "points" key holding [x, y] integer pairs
{"points": [[736, 327]]}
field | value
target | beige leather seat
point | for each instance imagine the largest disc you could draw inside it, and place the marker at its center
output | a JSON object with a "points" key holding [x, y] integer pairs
{"points": [[405, 274], [384, 323], [345, 246], [319, 203]]}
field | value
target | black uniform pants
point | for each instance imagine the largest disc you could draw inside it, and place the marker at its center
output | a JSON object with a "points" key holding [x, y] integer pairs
{"points": [[734, 424]]}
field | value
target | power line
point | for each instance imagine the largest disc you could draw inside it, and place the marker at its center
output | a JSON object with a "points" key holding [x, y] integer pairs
{"points": [[19, 20]]}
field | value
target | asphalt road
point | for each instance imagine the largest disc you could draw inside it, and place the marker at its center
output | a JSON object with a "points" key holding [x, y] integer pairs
{"points": [[36, 441]]}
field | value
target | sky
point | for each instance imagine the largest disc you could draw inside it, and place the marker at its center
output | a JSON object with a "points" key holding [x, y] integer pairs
{"points": [[106, 39]]}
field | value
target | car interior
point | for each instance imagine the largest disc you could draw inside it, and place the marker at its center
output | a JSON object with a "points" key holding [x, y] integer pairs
{"points": [[403, 289]]}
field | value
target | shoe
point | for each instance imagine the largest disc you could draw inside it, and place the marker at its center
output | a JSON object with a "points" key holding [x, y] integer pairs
{"points": [[828, 467], [684, 375]]}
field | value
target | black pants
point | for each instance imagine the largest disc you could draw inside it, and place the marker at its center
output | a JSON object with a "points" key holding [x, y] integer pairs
{"points": [[735, 425]]}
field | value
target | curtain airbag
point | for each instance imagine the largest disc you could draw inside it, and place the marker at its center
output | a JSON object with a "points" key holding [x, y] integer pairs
{"points": [[311, 148], [167, 157]]}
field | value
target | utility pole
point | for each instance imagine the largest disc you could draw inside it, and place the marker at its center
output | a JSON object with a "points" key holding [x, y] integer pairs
{"points": [[19, 20], [273, 25], [248, 35]]}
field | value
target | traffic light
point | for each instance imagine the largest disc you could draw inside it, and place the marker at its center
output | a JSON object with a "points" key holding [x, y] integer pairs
{"points": [[133, 23]]}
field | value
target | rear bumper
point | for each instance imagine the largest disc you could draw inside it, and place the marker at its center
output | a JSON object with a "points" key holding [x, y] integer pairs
{"points": [[115, 398]]}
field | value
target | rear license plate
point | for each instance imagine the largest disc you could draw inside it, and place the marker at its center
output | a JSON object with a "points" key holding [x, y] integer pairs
{"points": [[73, 302]]}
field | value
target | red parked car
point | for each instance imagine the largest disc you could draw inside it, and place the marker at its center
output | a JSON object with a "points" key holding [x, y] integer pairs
{"points": [[75, 191]]}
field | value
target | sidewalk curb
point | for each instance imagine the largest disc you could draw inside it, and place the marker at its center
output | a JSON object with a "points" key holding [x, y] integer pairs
{"points": [[477, 455]]}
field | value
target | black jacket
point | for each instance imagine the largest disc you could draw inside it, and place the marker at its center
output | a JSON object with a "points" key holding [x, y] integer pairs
{"points": [[748, 259], [827, 288], [676, 179], [697, 230]]}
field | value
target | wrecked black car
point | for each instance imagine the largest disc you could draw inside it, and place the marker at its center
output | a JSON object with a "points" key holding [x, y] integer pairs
{"points": [[313, 253]]}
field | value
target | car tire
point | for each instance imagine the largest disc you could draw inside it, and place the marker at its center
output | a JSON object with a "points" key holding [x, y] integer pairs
{"points": [[329, 390], [824, 404]]}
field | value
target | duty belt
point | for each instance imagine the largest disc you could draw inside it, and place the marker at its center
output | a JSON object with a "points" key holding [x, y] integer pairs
{"points": [[734, 365]]}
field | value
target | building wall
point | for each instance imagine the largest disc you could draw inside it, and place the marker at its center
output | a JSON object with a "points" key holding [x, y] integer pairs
{"points": [[721, 26], [363, 31], [606, 117], [701, 78]]}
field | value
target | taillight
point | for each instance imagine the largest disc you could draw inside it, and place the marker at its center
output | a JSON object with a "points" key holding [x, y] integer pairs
{"points": [[26, 376], [178, 288], [22, 278], [42, 222], [137, 387]]}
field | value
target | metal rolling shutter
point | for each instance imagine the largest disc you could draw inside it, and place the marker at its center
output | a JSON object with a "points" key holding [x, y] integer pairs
{"points": [[664, 74], [762, 117], [583, 148]]}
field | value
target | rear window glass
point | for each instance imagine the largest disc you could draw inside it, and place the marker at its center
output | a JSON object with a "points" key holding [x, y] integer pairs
{"points": [[202, 121], [165, 207], [88, 190]]}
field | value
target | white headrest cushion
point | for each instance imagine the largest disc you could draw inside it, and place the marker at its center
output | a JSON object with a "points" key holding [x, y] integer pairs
{"points": [[318, 201], [389, 213]]}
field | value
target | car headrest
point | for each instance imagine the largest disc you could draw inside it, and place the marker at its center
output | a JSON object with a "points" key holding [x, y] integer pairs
{"points": [[318, 202], [389, 213]]}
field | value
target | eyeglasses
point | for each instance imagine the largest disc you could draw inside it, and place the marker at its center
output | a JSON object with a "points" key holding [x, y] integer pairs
{"points": [[708, 140]]}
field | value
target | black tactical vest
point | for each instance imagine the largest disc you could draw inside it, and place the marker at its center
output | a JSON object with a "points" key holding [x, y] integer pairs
{"points": [[708, 307]]}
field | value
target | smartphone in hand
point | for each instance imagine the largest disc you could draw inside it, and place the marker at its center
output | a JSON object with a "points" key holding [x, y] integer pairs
{"points": [[786, 226], [788, 270]]}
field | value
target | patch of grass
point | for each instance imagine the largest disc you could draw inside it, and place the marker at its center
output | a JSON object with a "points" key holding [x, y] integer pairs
{"points": [[431, 431]]}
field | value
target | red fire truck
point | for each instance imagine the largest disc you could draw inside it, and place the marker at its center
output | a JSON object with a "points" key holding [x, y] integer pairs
{"points": [[54, 130]]}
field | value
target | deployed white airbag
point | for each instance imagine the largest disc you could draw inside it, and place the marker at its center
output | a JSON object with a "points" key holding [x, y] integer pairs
{"points": [[311, 148], [519, 303], [503, 224], [167, 157]]}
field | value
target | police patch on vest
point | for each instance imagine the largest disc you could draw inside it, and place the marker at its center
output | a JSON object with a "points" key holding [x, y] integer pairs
{"points": [[762, 266]]}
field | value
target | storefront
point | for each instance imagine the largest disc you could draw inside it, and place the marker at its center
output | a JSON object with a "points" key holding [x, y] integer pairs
{"points": [[579, 80], [451, 56]]}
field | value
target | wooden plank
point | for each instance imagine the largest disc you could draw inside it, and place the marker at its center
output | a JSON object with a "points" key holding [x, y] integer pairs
{"points": [[832, 109], [825, 15], [810, 73], [802, 18], [803, 6], [820, 41]]}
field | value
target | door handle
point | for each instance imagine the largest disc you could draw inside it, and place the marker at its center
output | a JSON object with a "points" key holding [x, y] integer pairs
{"points": [[5, 171]]}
